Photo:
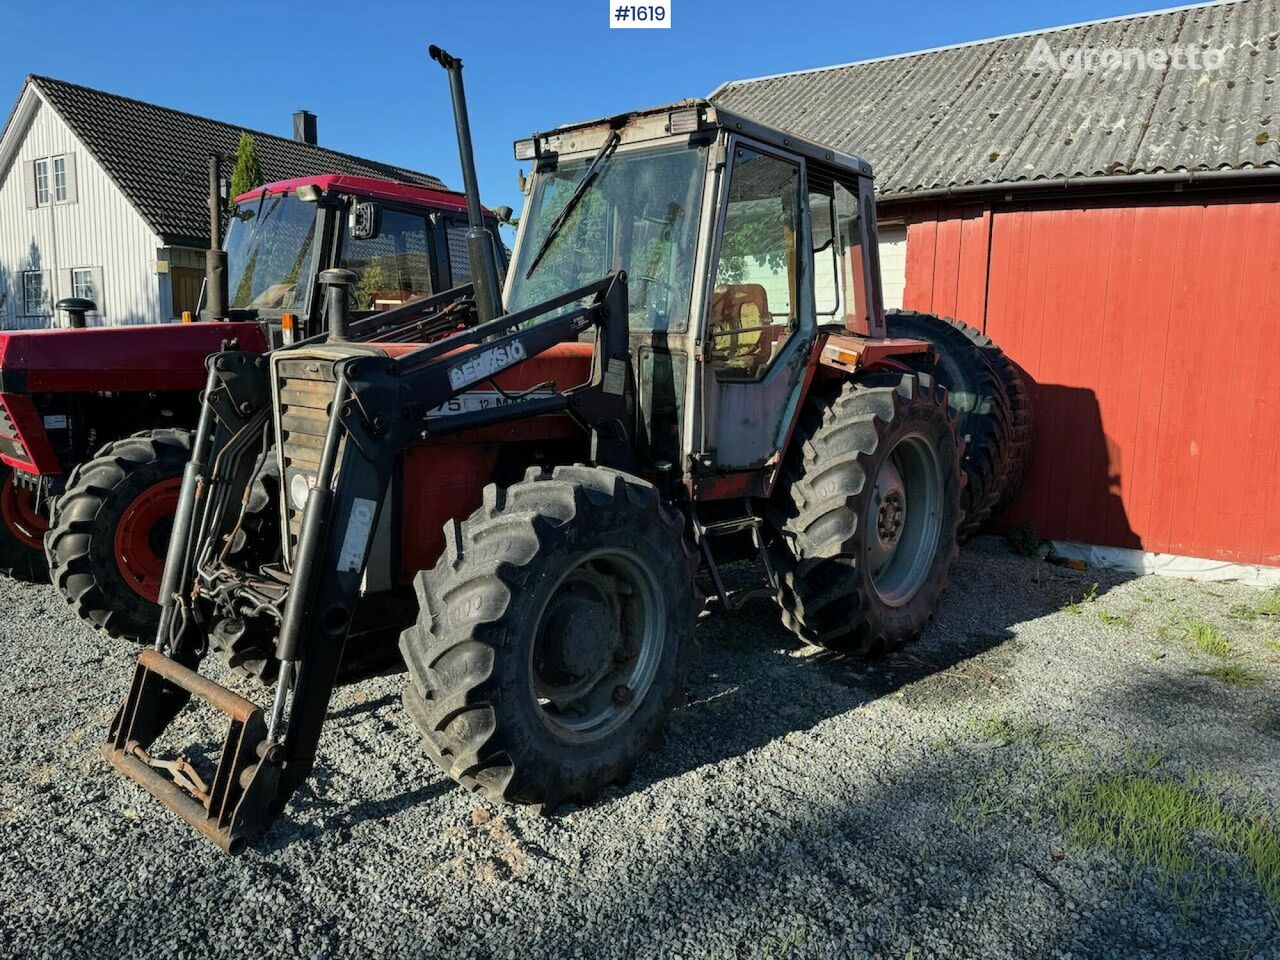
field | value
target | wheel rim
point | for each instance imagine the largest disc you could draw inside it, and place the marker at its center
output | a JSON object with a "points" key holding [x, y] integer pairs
{"points": [[597, 645], [18, 508], [904, 519], [142, 537]]}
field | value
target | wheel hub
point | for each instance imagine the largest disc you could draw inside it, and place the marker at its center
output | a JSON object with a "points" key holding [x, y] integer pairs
{"points": [[20, 514], [142, 537], [597, 645], [577, 640], [905, 512]]}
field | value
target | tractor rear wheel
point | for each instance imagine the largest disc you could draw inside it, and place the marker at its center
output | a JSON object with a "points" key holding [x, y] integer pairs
{"points": [[978, 395], [554, 636], [866, 513], [111, 530], [22, 528]]}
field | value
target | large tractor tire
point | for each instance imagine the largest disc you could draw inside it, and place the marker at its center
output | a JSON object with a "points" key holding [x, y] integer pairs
{"points": [[1017, 461], [978, 396], [554, 636], [22, 528], [866, 513], [111, 530]]}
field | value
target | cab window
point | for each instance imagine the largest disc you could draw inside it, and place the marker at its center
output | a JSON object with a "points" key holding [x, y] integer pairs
{"points": [[394, 266], [839, 280], [754, 303]]}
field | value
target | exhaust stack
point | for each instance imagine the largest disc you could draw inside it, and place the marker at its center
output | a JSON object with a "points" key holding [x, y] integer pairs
{"points": [[215, 258], [484, 266]]}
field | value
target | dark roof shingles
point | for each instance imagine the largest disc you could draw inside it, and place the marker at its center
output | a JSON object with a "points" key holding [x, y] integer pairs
{"points": [[972, 115], [159, 157]]}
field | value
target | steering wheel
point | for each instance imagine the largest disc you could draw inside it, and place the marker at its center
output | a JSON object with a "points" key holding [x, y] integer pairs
{"points": [[631, 277]]}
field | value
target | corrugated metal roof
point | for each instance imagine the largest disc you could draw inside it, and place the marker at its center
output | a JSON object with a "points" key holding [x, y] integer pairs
{"points": [[160, 157], [974, 114]]}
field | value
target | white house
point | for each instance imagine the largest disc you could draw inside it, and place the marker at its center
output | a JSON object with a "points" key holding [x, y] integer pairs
{"points": [[105, 197]]}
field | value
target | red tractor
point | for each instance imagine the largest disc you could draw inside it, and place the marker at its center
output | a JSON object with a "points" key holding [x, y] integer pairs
{"points": [[95, 424], [526, 495]]}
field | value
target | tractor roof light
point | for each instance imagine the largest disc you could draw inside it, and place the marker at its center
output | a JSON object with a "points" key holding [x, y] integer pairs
{"points": [[308, 192], [687, 120], [525, 150]]}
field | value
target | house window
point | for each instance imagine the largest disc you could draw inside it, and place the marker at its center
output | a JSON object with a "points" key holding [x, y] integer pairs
{"points": [[42, 183], [60, 179], [82, 284], [51, 180], [33, 293]]}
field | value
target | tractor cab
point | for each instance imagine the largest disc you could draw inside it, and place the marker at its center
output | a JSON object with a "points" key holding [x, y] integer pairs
{"points": [[401, 241], [740, 242]]}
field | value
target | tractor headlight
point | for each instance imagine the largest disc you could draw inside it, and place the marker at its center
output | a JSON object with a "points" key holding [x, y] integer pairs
{"points": [[299, 487]]}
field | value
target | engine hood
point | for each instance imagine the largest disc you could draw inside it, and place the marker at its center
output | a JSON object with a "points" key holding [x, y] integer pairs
{"points": [[168, 356]]}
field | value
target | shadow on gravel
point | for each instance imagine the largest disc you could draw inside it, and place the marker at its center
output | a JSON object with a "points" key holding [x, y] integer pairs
{"points": [[754, 682]]}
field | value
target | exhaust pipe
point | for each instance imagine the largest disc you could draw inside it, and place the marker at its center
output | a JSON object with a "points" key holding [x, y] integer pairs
{"points": [[215, 258], [484, 266]]}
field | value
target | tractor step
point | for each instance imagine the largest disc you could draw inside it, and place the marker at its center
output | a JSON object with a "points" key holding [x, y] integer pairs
{"points": [[705, 533], [235, 805]]}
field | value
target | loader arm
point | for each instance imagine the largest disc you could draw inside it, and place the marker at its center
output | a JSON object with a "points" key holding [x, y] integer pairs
{"points": [[379, 405]]}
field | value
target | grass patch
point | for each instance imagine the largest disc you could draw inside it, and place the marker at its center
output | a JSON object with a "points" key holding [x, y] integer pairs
{"points": [[1141, 818], [1114, 619], [1270, 605], [1206, 638], [1086, 598], [1244, 614], [1231, 674], [983, 802]]}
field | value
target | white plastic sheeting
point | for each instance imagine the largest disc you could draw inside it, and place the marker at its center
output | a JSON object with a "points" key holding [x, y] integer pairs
{"points": [[1168, 564]]}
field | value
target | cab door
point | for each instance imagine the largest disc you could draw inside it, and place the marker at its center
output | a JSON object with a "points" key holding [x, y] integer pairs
{"points": [[757, 325]]}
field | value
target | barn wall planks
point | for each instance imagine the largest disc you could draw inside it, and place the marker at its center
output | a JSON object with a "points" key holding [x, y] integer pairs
{"points": [[1147, 328]]}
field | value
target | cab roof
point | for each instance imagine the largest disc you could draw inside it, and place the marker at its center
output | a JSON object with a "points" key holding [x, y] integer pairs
{"points": [[369, 188], [687, 116]]}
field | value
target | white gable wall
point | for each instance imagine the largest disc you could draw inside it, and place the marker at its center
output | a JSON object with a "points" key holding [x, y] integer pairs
{"points": [[100, 230]]}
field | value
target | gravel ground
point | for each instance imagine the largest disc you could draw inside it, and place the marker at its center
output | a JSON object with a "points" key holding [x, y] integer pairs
{"points": [[802, 805]]}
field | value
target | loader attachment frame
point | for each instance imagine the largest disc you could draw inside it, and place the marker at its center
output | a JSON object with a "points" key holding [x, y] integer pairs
{"points": [[379, 406]]}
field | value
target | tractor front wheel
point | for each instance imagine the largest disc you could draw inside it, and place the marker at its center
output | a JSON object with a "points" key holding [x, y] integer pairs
{"points": [[554, 636], [111, 531], [22, 528], [866, 513]]}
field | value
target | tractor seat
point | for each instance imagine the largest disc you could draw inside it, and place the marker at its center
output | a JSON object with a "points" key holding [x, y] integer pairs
{"points": [[738, 312]]}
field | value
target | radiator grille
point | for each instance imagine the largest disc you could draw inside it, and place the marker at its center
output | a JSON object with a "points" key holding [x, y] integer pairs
{"points": [[305, 387]]}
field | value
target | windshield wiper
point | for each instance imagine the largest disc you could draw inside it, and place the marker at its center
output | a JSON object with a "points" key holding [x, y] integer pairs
{"points": [[597, 164]]}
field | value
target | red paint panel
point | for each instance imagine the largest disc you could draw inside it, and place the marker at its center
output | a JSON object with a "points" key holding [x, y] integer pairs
{"points": [[922, 241], [1145, 329], [164, 356]]}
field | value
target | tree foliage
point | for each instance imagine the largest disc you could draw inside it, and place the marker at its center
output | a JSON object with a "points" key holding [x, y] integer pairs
{"points": [[248, 172]]}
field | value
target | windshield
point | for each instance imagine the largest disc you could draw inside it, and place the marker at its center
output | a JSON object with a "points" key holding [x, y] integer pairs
{"points": [[639, 214], [270, 244]]}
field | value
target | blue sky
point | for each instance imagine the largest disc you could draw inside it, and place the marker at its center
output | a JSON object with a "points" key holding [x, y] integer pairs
{"points": [[363, 68]]}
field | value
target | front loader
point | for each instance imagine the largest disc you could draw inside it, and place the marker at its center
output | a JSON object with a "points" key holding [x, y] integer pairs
{"points": [[689, 366]]}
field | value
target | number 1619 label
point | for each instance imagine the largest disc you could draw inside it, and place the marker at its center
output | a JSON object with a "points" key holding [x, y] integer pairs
{"points": [[653, 15]]}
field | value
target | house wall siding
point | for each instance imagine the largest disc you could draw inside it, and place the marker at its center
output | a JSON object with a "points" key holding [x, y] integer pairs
{"points": [[101, 229], [1144, 329]]}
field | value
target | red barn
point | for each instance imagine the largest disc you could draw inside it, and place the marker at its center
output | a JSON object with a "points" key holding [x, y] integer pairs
{"points": [[1103, 200]]}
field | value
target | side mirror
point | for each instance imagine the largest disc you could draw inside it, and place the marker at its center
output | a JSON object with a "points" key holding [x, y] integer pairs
{"points": [[365, 220]]}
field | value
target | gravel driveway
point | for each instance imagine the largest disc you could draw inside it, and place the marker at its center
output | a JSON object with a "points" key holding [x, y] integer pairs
{"points": [[1051, 771]]}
